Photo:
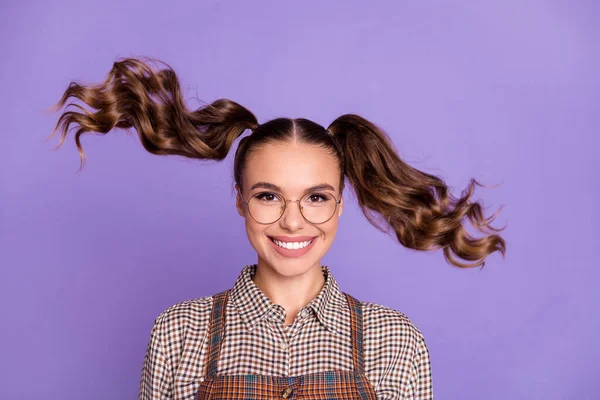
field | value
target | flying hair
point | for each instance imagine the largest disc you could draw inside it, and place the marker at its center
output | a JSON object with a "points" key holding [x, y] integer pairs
{"points": [[395, 197]]}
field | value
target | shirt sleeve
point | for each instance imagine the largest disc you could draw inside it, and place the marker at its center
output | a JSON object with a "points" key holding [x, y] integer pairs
{"points": [[157, 377], [421, 381]]}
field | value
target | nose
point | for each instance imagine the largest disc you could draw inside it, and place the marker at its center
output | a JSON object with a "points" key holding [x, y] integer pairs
{"points": [[292, 218]]}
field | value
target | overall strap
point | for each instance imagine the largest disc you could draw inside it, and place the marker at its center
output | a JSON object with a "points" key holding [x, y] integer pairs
{"points": [[356, 330], [215, 332]]}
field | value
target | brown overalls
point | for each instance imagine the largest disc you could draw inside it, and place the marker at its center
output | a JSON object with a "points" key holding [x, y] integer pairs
{"points": [[327, 385]]}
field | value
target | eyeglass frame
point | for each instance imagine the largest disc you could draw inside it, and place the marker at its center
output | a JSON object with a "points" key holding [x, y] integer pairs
{"points": [[285, 202]]}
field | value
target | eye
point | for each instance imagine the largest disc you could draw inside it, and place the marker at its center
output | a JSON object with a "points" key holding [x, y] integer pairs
{"points": [[267, 197], [317, 198]]}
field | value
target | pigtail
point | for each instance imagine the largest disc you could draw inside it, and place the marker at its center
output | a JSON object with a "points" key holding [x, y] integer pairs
{"points": [[417, 206], [135, 96]]}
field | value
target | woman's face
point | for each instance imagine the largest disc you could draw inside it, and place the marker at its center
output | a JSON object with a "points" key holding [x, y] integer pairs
{"points": [[290, 170]]}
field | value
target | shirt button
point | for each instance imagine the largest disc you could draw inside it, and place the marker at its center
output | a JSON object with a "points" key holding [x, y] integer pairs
{"points": [[287, 392], [283, 345]]}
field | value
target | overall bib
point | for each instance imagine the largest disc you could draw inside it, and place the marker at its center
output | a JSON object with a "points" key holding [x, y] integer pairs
{"points": [[327, 385]]}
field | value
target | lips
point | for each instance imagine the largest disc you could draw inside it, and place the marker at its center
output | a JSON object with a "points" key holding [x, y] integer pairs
{"points": [[292, 238], [292, 253]]}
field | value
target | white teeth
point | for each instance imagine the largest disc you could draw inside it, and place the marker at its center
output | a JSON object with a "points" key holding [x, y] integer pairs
{"points": [[292, 245]]}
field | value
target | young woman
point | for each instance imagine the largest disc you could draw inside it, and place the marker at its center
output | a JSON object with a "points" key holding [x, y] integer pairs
{"points": [[285, 329]]}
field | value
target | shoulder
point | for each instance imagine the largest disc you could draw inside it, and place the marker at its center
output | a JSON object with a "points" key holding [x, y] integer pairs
{"points": [[193, 314], [396, 357], [387, 325], [178, 335]]}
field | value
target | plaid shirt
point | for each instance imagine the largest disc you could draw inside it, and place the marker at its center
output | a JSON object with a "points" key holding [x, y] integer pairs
{"points": [[257, 342]]}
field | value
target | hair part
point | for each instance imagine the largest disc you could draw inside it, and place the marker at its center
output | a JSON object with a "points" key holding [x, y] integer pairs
{"points": [[286, 130], [395, 198]]}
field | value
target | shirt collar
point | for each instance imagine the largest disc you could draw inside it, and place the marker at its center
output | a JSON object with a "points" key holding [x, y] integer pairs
{"points": [[253, 305]]}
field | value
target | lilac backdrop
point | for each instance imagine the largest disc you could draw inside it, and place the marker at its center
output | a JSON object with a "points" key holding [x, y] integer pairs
{"points": [[506, 92]]}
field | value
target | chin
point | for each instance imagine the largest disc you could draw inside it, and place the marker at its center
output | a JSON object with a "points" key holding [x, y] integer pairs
{"points": [[290, 266]]}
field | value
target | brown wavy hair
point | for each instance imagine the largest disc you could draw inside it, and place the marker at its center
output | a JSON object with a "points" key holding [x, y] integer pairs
{"points": [[395, 197]]}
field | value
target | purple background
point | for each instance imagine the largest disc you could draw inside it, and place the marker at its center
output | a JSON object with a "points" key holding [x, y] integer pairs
{"points": [[506, 92]]}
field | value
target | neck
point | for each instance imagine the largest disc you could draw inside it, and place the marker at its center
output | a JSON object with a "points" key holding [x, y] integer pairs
{"points": [[290, 292]]}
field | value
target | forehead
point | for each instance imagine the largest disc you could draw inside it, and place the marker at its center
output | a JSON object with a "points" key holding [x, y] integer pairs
{"points": [[291, 166]]}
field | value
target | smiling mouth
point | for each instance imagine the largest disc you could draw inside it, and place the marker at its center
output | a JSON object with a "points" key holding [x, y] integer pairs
{"points": [[292, 245]]}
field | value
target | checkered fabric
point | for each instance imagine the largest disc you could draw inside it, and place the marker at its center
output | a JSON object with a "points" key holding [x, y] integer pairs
{"points": [[321, 385], [260, 357]]}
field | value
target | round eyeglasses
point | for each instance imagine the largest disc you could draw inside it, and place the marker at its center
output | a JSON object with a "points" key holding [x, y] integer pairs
{"points": [[268, 207]]}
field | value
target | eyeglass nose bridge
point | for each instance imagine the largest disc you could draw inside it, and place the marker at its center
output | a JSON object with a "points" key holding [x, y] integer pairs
{"points": [[284, 207]]}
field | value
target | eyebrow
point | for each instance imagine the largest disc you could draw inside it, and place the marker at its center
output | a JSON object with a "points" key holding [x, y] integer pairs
{"points": [[270, 186]]}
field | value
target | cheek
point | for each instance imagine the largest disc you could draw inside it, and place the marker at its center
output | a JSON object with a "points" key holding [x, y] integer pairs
{"points": [[330, 228], [254, 231]]}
